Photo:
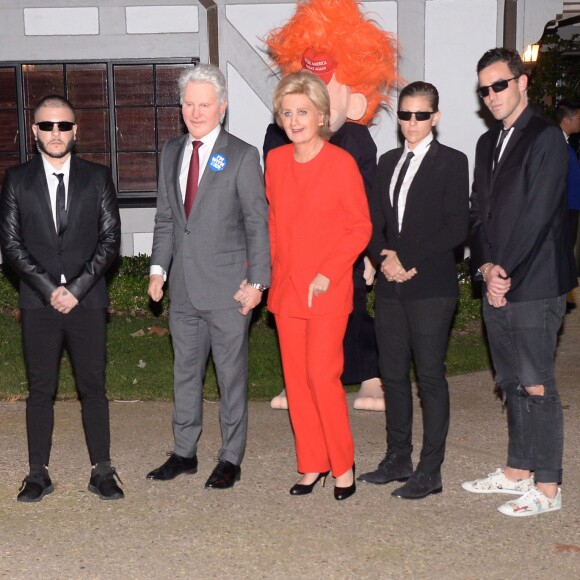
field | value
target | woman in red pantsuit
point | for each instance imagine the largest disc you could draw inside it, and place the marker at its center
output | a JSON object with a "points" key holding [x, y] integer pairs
{"points": [[319, 224]]}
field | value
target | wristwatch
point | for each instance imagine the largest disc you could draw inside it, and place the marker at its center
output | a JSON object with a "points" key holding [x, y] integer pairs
{"points": [[258, 286]]}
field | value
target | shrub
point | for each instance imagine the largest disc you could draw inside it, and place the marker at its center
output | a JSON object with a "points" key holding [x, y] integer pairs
{"points": [[128, 282], [8, 290]]}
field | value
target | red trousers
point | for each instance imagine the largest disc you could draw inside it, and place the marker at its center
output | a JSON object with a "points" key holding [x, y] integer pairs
{"points": [[313, 361]]}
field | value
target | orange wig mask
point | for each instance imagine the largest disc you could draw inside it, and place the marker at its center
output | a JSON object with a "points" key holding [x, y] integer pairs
{"points": [[365, 55]]}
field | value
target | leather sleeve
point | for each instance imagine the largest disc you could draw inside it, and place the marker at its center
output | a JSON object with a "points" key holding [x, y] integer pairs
{"points": [[108, 243], [14, 250]]}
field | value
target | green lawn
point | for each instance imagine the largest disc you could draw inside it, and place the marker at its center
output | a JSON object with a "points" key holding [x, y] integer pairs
{"points": [[140, 367]]}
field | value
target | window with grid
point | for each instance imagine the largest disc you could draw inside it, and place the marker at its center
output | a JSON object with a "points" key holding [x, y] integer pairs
{"points": [[125, 112]]}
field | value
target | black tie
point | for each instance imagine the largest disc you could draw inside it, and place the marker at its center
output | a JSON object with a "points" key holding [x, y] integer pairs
{"points": [[399, 184], [60, 204], [497, 152]]}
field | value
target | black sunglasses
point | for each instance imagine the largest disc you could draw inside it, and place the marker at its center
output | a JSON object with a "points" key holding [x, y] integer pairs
{"points": [[497, 87], [419, 115], [63, 126]]}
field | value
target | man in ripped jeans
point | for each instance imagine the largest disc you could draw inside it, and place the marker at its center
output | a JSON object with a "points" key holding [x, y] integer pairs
{"points": [[519, 243]]}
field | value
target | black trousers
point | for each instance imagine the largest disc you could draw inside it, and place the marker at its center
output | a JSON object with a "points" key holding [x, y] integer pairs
{"points": [[84, 332], [360, 345], [417, 329]]}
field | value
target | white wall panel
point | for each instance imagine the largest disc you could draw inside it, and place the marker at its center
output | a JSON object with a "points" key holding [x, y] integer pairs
{"points": [[248, 117], [61, 21], [161, 19], [142, 243], [451, 54], [254, 21]]}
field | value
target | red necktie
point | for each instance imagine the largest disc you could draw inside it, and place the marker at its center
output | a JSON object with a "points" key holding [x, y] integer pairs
{"points": [[192, 178]]}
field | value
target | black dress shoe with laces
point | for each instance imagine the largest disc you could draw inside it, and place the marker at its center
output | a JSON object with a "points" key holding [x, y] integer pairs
{"points": [[174, 466], [104, 484], [392, 468], [224, 475], [420, 485], [34, 488]]}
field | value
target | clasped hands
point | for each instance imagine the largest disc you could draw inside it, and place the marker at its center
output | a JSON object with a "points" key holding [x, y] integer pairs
{"points": [[248, 297], [497, 282], [393, 270], [62, 300]]}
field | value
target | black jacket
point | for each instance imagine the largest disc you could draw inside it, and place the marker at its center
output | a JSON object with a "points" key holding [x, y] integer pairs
{"points": [[85, 250], [434, 223], [518, 212]]}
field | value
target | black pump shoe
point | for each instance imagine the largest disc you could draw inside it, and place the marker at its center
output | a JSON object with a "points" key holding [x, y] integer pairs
{"points": [[341, 493], [304, 489]]}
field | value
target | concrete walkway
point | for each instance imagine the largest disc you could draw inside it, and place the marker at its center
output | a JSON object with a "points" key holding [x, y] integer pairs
{"points": [[178, 529]]}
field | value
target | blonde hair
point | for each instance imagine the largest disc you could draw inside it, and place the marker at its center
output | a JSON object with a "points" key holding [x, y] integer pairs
{"points": [[303, 82]]}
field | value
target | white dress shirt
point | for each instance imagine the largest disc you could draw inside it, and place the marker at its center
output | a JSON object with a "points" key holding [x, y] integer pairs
{"points": [[419, 152], [52, 182], [505, 141], [204, 153]]}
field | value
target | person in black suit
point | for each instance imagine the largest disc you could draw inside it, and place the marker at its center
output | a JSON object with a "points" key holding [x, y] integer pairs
{"points": [[567, 115], [521, 247], [419, 209], [60, 231]]}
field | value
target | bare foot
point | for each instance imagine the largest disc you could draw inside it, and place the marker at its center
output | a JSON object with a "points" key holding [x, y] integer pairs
{"points": [[371, 396], [280, 401]]}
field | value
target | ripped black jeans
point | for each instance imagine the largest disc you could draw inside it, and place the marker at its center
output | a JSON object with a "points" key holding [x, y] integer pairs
{"points": [[522, 340]]}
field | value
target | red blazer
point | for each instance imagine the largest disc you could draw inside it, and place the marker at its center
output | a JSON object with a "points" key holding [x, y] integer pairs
{"points": [[319, 223]]}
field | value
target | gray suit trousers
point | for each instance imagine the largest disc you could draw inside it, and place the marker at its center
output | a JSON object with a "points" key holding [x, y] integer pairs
{"points": [[194, 333]]}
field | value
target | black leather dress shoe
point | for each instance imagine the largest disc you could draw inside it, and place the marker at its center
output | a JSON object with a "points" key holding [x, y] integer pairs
{"points": [[224, 475], [174, 466], [392, 468], [34, 488], [105, 486], [420, 485]]}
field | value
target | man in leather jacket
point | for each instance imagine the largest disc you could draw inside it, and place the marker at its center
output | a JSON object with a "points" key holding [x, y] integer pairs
{"points": [[60, 232]]}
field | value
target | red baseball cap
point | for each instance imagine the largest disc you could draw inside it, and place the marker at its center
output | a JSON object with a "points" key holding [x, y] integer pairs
{"points": [[319, 63]]}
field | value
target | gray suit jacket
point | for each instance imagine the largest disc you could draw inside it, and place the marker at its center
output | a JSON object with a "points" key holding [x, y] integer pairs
{"points": [[225, 238]]}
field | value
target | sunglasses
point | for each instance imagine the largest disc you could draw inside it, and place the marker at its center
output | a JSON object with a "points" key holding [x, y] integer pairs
{"points": [[419, 115], [63, 126], [497, 87]]}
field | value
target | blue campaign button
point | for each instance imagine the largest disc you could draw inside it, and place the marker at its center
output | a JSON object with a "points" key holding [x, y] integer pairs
{"points": [[217, 162]]}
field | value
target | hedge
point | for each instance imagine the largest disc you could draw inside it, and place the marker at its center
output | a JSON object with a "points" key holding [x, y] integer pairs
{"points": [[128, 282]]}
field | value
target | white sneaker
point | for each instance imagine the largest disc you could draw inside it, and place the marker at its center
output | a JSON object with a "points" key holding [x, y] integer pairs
{"points": [[497, 482], [532, 503]]}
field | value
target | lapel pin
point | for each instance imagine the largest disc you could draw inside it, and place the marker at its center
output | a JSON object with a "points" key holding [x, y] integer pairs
{"points": [[217, 162]]}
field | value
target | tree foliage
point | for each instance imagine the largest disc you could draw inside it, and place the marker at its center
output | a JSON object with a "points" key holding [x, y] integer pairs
{"points": [[557, 73]]}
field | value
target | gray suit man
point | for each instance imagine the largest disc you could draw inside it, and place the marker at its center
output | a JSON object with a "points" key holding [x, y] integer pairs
{"points": [[211, 235]]}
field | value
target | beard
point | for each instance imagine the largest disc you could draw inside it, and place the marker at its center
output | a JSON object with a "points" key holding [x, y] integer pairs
{"points": [[67, 149]]}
